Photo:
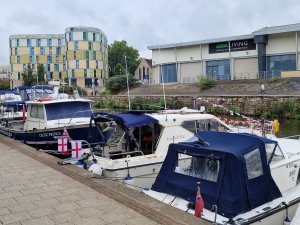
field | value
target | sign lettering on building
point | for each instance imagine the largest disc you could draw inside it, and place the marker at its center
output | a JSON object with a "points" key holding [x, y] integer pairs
{"points": [[240, 45]]}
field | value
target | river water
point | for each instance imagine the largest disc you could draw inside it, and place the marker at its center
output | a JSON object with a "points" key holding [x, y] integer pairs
{"points": [[288, 128]]}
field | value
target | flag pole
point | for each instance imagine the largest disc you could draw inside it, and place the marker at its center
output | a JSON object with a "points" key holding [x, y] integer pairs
{"points": [[162, 79]]}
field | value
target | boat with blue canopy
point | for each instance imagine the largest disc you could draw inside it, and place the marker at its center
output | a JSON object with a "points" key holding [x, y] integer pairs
{"points": [[248, 179]]}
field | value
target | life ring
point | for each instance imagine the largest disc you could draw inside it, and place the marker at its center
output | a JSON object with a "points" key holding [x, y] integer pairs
{"points": [[275, 126], [44, 99]]}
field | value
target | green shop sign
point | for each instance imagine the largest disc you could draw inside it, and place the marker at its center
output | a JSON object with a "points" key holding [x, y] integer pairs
{"points": [[240, 45]]}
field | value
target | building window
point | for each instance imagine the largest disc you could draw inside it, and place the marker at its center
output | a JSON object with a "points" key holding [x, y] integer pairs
{"points": [[19, 76], [59, 75], [218, 69], [140, 74], [94, 55], [94, 37], [50, 75], [64, 58], [85, 73], [48, 67], [49, 42], [95, 73], [38, 42], [97, 64], [18, 59], [64, 66], [76, 45], [169, 73], [77, 64], [70, 36], [32, 50], [84, 36], [74, 55], [42, 51], [87, 53], [88, 82], [73, 81], [72, 73], [50, 50], [48, 59], [18, 42], [56, 67], [87, 64], [90, 45], [59, 42], [28, 43], [278, 63], [16, 52], [96, 81], [57, 58], [58, 51], [31, 58], [37, 58]]}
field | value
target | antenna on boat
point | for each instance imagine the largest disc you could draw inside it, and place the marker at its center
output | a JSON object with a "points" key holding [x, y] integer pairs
{"points": [[162, 79], [129, 105]]}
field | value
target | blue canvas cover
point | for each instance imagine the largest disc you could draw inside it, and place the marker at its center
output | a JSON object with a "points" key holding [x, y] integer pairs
{"points": [[16, 106], [125, 120], [234, 191]]}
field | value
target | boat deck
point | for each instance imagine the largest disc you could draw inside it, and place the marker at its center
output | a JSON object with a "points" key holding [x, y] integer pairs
{"points": [[35, 189]]}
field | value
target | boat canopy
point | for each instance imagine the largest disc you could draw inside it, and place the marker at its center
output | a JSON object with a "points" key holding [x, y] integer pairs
{"points": [[232, 169], [125, 120], [28, 92], [16, 106]]}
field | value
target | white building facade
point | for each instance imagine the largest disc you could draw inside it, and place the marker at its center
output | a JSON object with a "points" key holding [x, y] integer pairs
{"points": [[268, 52]]}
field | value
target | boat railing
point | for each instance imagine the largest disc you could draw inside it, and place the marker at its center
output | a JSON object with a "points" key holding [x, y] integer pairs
{"points": [[293, 137], [127, 154]]}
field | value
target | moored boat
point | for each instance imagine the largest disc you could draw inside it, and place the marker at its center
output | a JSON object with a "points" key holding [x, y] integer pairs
{"points": [[245, 179]]}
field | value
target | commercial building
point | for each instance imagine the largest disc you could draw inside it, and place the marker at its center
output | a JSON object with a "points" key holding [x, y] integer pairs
{"points": [[268, 52], [79, 56]]}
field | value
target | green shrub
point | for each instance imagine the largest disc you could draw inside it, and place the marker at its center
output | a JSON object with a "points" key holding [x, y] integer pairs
{"points": [[274, 80], [4, 85], [119, 83], [206, 83]]}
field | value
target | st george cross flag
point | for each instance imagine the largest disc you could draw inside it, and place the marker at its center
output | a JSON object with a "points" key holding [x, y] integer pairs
{"points": [[63, 145], [76, 148], [66, 134], [199, 202]]}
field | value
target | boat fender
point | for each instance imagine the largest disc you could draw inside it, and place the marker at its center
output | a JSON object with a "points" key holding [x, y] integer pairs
{"points": [[275, 126], [96, 169], [129, 181], [296, 219]]}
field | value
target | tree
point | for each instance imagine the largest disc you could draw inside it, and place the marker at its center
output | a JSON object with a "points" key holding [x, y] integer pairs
{"points": [[41, 73], [29, 78], [116, 58], [118, 83]]}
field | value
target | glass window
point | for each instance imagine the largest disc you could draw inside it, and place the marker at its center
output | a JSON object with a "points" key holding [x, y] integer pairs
{"points": [[87, 64], [84, 36], [37, 111], [90, 45], [57, 58], [88, 82], [168, 73], [18, 59], [60, 76], [37, 58], [87, 54], [50, 50], [205, 168], [77, 64], [94, 37], [59, 42], [32, 50], [74, 55], [277, 153], [276, 64], [38, 42], [76, 45], [195, 126], [218, 69], [253, 164], [73, 80], [28, 42]]}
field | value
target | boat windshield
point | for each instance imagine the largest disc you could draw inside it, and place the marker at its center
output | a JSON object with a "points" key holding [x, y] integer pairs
{"points": [[204, 125], [66, 110]]}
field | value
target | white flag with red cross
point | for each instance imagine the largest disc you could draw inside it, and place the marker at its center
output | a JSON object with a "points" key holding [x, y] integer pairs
{"points": [[62, 143], [76, 148]]}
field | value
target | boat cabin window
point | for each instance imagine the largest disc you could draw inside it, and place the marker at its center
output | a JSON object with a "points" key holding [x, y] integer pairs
{"points": [[65, 110], [206, 168], [253, 164], [277, 154], [113, 138], [37, 112], [195, 126]]}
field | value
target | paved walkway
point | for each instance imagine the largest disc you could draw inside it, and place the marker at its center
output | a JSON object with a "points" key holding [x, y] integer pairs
{"points": [[34, 189]]}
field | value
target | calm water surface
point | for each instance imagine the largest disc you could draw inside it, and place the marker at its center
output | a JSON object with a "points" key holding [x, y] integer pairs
{"points": [[288, 128]]}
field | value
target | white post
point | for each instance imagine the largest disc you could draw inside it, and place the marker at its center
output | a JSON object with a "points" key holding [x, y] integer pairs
{"points": [[129, 105]]}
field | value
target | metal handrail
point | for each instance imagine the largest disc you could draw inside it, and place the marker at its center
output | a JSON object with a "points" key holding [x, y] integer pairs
{"points": [[127, 153]]}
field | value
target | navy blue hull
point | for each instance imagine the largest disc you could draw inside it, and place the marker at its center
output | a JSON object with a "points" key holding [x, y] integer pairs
{"points": [[45, 139]]}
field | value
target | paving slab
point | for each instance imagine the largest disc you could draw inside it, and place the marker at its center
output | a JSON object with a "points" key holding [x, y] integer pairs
{"points": [[35, 189]]}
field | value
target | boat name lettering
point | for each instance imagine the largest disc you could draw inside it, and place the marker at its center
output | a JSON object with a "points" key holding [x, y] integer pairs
{"points": [[49, 134], [290, 165], [176, 137]]}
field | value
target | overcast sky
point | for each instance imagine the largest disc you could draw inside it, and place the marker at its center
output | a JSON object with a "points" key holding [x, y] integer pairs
{"points": [[144, 22]]}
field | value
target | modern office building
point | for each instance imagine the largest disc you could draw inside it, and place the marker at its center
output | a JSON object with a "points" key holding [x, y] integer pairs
{"points": [[268, 52], [78, 56]]}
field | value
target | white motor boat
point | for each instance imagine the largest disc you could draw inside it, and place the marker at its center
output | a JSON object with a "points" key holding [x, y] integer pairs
{"points": [[245, 179], [138, 144]]}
